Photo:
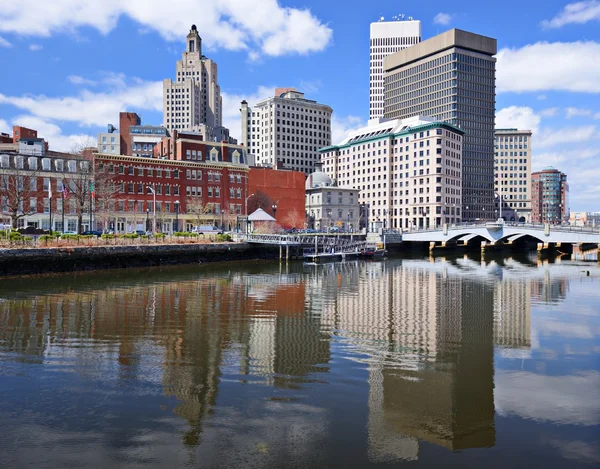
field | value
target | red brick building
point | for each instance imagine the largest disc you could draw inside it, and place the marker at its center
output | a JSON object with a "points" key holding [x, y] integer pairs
{"points": [[285, 188], [23, 132], [195, 183], [126, 120]]}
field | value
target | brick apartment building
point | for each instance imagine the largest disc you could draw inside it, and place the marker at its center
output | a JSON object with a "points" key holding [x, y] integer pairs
{"points": [[195, 183]]}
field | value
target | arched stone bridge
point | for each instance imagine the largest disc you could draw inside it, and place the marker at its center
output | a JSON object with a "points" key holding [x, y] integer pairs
{"points": [[508, 233]]}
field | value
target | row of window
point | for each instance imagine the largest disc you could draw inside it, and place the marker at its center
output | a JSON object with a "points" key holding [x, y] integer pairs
{"points": [[18, 162]]}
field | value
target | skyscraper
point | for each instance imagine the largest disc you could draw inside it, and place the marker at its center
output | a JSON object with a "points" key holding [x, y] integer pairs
{"points": [[512, 171], [286, 130], [549, 196], [387, 37], [451, 77], [193, 101]]}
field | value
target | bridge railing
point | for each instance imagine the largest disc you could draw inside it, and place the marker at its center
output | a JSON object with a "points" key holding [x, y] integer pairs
{"points": [[535, 226]]}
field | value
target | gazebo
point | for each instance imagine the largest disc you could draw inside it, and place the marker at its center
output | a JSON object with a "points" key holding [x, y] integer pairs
{"points": [[259, 215]]}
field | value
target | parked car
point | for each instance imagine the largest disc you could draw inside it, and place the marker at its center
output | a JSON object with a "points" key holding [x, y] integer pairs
{"points": [[69, 232], [206, 229], [92, 232]]}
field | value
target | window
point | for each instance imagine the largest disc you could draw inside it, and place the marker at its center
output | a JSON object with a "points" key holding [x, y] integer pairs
{"points": [[46, 164], [72, 166], [32, 162]]}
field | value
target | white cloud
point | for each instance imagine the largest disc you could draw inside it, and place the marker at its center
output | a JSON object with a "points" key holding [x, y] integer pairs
{"points": [[228, 24], [543, 66], [519, 117], [35, 47], [53, 134], [4, 42], [88, 108], [551, 137], [78, 80], [231, 107], [542, 97], [342, 126], [571, 112], [575, 13], [559, 399], [4, 127], [442, 18], [549, 112]]}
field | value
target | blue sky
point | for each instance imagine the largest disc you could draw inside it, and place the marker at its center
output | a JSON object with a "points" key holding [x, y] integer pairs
{"points": [[70, 66]]}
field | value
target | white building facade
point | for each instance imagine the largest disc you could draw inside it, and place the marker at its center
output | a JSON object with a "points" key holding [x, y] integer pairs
{"points": [[330, 207], [387, 37], [408, 171], [512, 172], [194, 98], [286, 131], [109, 142]]}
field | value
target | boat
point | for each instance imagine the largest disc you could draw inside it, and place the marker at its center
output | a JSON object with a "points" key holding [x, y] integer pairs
{"points": [[372, 253]]}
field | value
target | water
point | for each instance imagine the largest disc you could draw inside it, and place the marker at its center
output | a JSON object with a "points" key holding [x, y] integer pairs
{"points": [[453, 363]]}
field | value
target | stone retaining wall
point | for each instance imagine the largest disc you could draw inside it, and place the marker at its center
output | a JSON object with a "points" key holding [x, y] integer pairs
{"points": [[64, 259]]}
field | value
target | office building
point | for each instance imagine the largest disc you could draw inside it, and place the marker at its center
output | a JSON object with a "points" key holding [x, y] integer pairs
{"points": [[549, 196], [451, 77], [408, 171], [328, 206], [132, 139], [286, 130], [386, 38], [192, 102], [512, 173]]}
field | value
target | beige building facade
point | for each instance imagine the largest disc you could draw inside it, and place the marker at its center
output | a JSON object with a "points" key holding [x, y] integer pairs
{"points": [[286, 130], [194, 97], [408, 171], [512, 172]]}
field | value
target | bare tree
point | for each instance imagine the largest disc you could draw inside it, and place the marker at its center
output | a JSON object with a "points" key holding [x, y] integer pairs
{"points": [[260, 200], [17, 187], [107, 193], [294, 219], [198, 209]]}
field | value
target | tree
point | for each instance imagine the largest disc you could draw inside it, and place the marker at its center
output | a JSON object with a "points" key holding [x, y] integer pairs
{"points": [[294, 219], [106, 193], [17, 187], [198, 209], [260, 200], [78, 177]]}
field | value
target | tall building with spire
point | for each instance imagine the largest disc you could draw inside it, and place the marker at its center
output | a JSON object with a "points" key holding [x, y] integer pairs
{"points": [[387, 37], [192, 102]]}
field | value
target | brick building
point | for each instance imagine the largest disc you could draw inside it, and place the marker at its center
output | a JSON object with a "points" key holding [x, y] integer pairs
{"points": [[284, 188], [195, 183], [23, 132], [549, 196]]}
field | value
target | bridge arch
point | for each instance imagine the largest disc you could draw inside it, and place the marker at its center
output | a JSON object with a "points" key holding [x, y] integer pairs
{"points": [[470, 235]]}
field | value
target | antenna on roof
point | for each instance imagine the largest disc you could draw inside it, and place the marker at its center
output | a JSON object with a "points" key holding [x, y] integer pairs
{"points": [[381, 18]]}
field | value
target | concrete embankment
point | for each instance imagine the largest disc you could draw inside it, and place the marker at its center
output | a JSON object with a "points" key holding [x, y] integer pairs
{"points": [[66, 259]]}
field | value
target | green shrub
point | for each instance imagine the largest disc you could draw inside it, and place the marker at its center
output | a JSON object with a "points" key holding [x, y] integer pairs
{"points": [[15, 236], [180, 234], [46, 238], [159, 235], [27, 238], [129, 236], [224, 238], [145, 236], [107, 236], [73, 237], [86, 236]]}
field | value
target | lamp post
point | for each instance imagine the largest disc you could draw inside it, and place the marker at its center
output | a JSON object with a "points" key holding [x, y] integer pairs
{"points": [[177, 215], [246, 207], [151, 188], [348, 224], [147, 217], [274, 207], [384, 219]]}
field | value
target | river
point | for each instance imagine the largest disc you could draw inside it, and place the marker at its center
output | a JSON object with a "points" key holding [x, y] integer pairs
{"points": [[449, 362]]}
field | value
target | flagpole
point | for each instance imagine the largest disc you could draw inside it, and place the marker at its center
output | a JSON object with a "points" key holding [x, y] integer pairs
{"points": [[91, 196], [63, 208], [50, 200]]}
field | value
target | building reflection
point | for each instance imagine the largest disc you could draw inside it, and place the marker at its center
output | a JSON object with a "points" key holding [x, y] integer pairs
{"points": [[430, 339]]}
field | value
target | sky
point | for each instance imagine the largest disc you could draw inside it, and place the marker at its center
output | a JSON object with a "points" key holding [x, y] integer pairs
{"points": [[70, 66]]}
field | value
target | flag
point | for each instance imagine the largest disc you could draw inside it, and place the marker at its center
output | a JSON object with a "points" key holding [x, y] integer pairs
{"points": [[50, 189], [65, 191], [92, 189]]}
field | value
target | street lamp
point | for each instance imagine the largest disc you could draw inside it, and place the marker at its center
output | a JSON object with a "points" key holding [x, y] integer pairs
{"points": [[177, 215], [246, 206], [151, 188], [147, 217], [274, 207], [348, 224]]}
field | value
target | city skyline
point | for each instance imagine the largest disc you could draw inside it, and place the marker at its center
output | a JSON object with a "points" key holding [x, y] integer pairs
{"points": [[89, 72]]}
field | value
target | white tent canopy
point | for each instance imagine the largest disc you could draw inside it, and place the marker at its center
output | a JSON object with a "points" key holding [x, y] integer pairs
{"points": [[260, 215]]}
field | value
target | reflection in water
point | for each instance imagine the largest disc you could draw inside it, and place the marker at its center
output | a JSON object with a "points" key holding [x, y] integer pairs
{"points": [[257, 362]]}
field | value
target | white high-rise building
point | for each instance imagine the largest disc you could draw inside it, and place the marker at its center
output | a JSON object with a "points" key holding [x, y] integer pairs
{"points": [[388, 37], [286, 130], [193, 101]]}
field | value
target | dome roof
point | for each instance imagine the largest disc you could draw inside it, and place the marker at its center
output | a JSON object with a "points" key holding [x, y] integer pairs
{"points": [[318, 179]]}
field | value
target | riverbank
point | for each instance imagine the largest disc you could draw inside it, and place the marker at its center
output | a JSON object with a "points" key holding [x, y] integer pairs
{"points": [[32, 261]]}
